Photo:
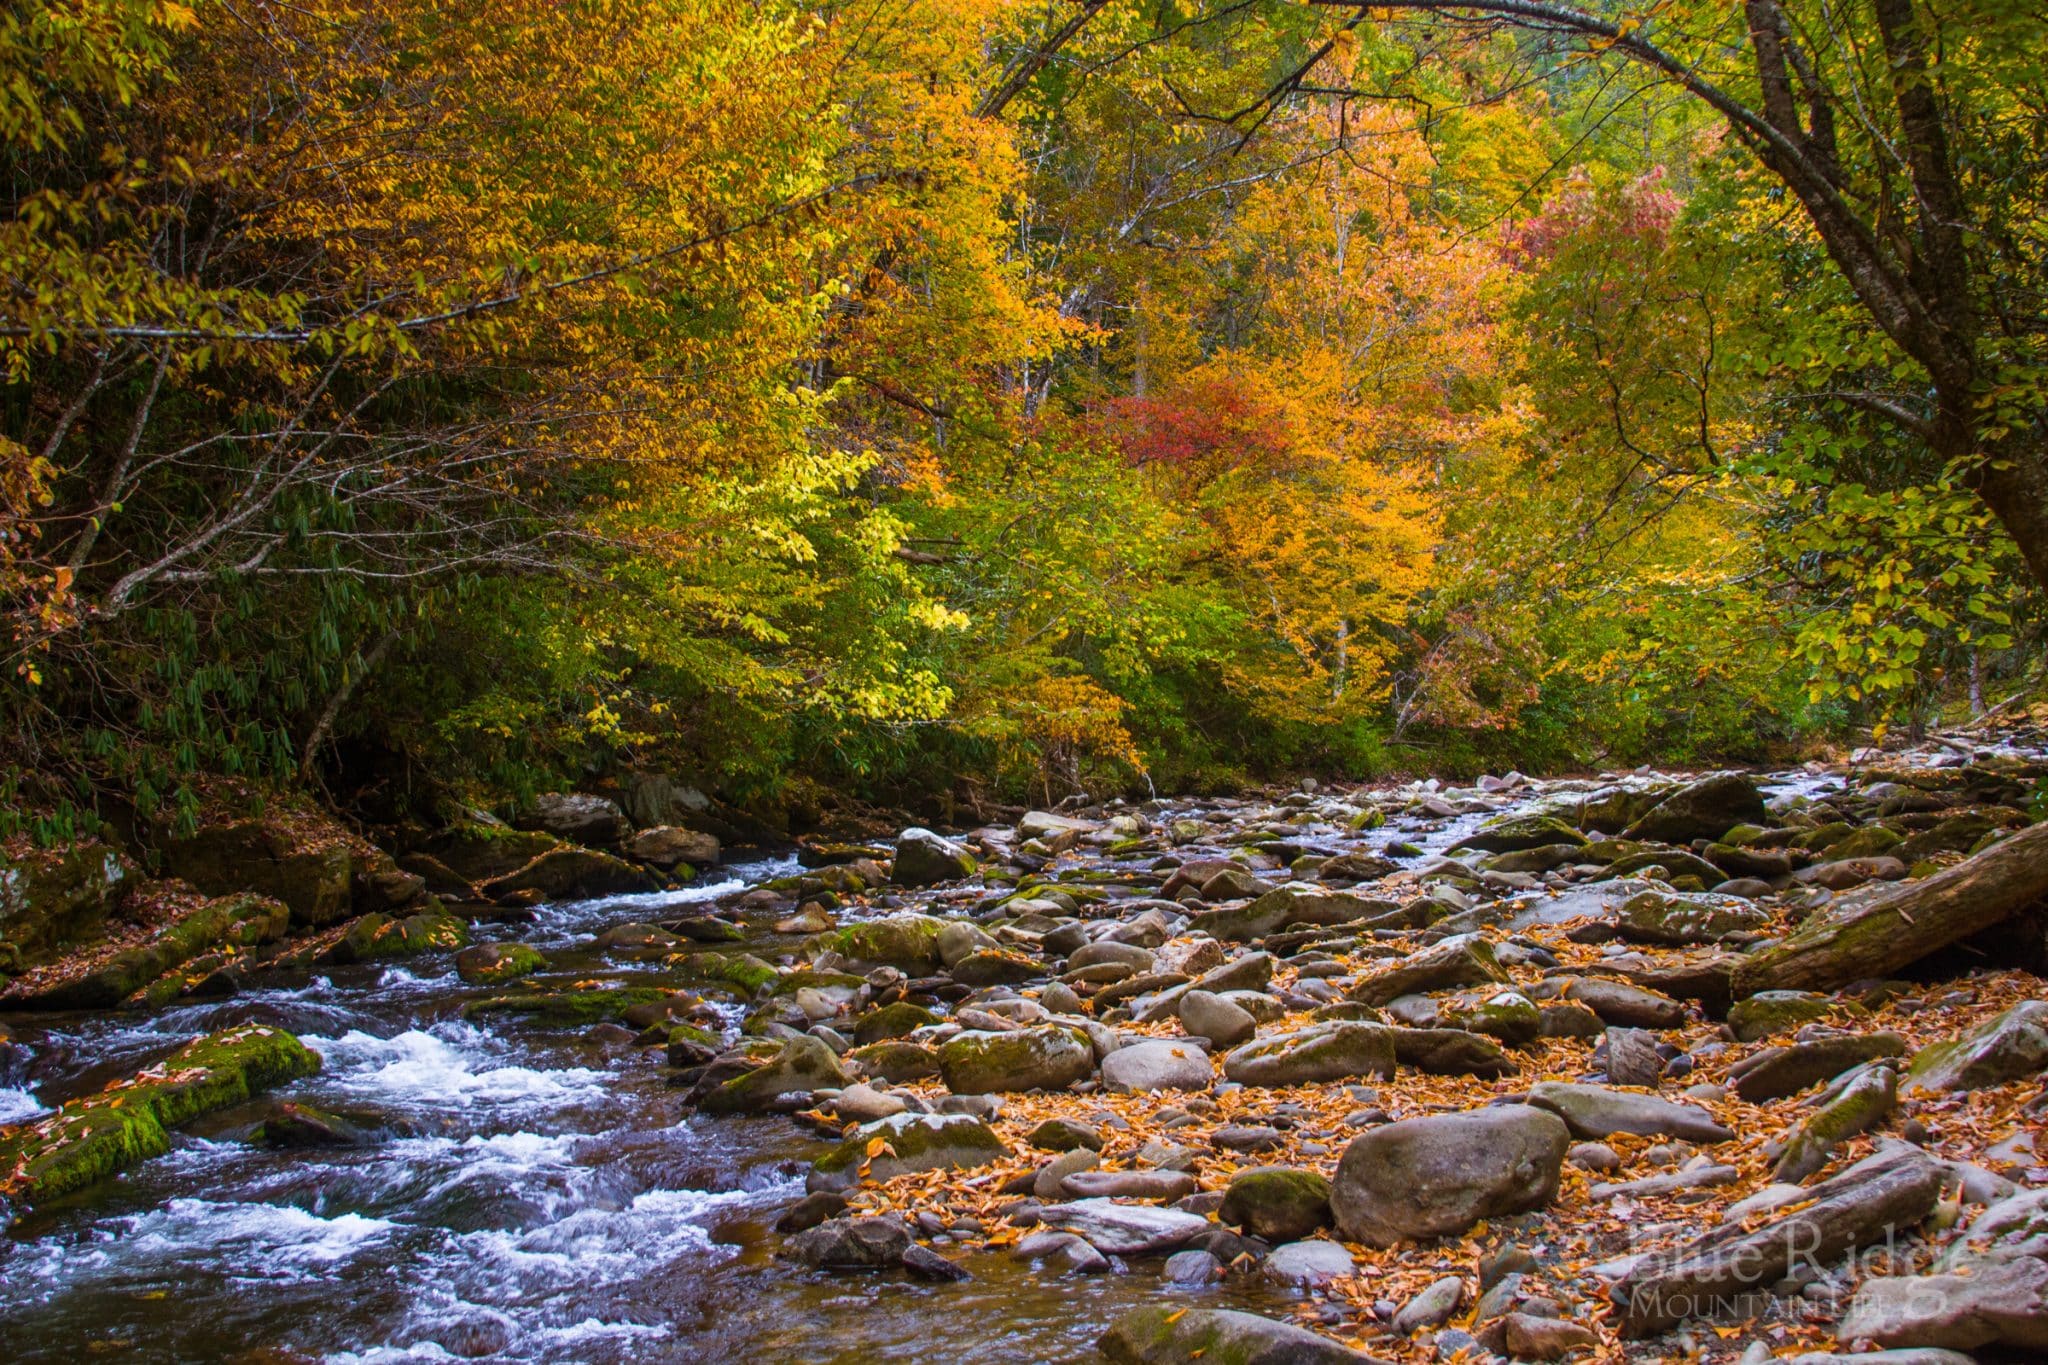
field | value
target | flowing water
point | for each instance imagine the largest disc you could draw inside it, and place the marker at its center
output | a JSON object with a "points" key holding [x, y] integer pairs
{"points": [[534, 1196]]}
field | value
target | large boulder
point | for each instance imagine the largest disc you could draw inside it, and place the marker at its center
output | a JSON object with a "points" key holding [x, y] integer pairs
{"points": [[1706, 809], [1461, 960], [478, 850], [1440, 1175], [580, 818], [667, 846], [925, 859], [565, 873], [50, 897], [1160, 1064], [1163, 1335], [851, 1244], [2010, 1047], [243, 920], [1335, 1051], [908, 1142], [1045, 1057], [907, 942], [1594, 1111], [1518, 833], [309, 868]]}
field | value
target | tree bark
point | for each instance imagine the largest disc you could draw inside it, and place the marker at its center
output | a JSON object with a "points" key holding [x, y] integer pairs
{"points": [[1875, 938]]}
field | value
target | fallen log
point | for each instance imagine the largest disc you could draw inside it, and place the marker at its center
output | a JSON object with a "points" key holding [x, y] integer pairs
{"points": [[1720, 1273], [1877, 937]]}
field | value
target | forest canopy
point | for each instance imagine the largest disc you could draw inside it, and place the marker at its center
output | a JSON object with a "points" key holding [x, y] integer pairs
{"points": [[1006, 397]]}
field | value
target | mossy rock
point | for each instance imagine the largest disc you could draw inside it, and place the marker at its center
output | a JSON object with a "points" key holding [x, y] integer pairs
{"points": [[49, 897], [1507, 1015], [1064, 1135], [789, 983], [744, 972], [897, 1020], [1520, 832], [569, 1008], [896, 1061], [995, 968], [912, 1142], [94, 1136], [1675, 864], [802, 1065], [1769, 1012], [493, 964], [1277, 1203], [236, 921], [907, 942], [379, 936], [311, 873], [1045, 1057], [1867, 842], [1653, 917]]}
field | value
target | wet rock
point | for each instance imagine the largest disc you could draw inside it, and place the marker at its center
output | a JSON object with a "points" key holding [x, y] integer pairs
{"points": [[1322, 1052], [1593, 1111], [1124, 1229], [1777, 1072], [1191, 1269], [925, 859], [489, 964], [1205, 1014], [1277, 1203], [1159, 1335], [927, 1264], [1044, 1057], [298, 1126], [1462, 960], [809, 1211], [2011, 1046], [1159, 1065], [851, 1244], [1440, 1175]]}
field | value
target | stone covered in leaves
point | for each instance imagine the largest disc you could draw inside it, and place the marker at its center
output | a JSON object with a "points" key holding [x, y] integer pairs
{"points": [[904, 1143]]}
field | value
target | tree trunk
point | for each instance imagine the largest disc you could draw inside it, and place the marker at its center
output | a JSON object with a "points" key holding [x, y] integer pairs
{"points": [[1875, 938], [2014, 484]]}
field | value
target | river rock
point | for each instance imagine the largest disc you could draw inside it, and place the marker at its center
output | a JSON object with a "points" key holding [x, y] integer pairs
{"points": [[488, 964], [1777, 1072], [1768, 1012], [1462, 960], [1043, 1057], [1593, 1111], [1450, 1052], [925, 859], [1124, 1229], [1162, 1335], [1277, 1203], [1308, 1265], [52, 896], [569, 874], [1706, 809], [1205, 1014], [1165, 1186], [1159, 1065], [580, 818], [958, 940], [668, 846], [1440, 1175], [803, 1065], [1676, 918], [851, 1244], [1336, 1051], [1432, 1307], [909, 943], [1617, 1002], [911, 1142], [994, 968], [2010, 1047]]}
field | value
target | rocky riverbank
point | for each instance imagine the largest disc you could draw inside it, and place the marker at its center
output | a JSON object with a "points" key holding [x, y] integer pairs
{"points": [[1718, 1067]]}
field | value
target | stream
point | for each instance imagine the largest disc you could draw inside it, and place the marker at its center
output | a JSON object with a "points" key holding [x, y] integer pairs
{"points": [[536, 1194]]}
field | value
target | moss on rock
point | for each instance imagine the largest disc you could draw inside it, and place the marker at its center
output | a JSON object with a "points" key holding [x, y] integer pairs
{"points": [[569, 1008]]}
